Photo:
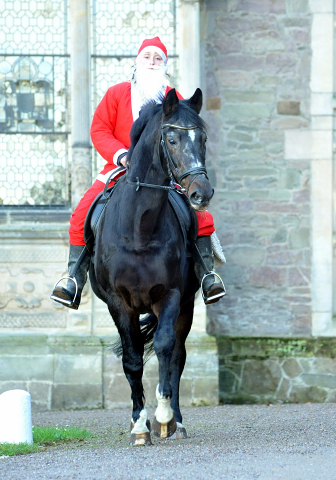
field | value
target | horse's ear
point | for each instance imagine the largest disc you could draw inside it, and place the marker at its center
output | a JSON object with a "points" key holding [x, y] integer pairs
{"points": [[196, 100], [170, 103]]}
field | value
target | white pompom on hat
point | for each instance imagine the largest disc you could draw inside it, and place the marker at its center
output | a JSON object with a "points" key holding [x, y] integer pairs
{"points": [[155, 45]]}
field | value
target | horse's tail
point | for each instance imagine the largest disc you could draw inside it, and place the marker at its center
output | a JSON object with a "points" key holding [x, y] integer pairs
{"points": [[147, 327]]}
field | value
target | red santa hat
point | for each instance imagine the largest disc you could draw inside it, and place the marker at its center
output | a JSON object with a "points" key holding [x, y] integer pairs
{"points": [[155, 45]]}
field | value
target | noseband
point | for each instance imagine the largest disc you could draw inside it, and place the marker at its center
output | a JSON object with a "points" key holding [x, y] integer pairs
{"points": [[172, 167]]}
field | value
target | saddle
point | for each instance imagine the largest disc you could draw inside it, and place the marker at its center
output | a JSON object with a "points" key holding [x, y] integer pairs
{"points": [[184, 213]]}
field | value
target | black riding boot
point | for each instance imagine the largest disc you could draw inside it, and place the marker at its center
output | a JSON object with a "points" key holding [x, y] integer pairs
{"points": [[79, 261], [211, 284]]}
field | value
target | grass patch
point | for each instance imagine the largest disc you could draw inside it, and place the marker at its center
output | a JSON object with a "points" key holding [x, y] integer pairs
{"points": [[43, 437], [10, 449], [55, 435]]}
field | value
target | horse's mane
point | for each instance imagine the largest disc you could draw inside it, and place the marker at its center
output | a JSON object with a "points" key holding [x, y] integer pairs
{"points": [[150, 113]]}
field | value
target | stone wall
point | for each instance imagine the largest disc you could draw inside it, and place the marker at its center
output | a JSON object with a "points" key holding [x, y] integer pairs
{"points": [[256, 57], [80, 371], [277, 370], [33, 255]]}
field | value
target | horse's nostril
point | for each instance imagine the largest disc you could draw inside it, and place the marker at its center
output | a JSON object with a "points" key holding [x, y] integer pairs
{"points": [[196, 198]]}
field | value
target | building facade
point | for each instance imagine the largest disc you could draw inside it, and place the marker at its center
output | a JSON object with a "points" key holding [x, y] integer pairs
{"points": [[57, 60], [270, 81], [266, 68]]}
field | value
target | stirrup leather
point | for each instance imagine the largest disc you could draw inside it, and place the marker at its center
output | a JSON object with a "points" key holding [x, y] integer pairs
{"points": [[62, 300], [218, 295]]}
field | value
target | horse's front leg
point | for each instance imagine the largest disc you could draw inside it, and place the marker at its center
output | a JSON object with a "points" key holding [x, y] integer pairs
{"points": [[167, 311], [132, 360], [182, 329]]}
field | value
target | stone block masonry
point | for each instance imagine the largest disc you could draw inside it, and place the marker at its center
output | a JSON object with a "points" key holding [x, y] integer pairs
{"points": [[257, 58], [263, 370], [70, 372], [80, 371]]}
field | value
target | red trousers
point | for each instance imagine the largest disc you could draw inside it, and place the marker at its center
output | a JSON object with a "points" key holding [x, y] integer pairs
{"points": [[205, 219]]}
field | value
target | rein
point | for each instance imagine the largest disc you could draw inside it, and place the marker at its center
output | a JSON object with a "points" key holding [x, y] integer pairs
{"points": [[139, 184], [196, 171]]}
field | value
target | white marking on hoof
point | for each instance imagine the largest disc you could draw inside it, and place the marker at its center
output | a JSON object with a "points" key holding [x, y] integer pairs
{"points": [[164, 413], [141, 439], [140, 425], [139, 442]]}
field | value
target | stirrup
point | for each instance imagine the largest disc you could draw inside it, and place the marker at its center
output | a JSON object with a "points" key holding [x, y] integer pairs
{"points": [[63, 300], [218, 295]]}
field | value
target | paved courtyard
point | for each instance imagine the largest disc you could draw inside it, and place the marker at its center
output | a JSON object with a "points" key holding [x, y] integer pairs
{"points": [[233, 442]]}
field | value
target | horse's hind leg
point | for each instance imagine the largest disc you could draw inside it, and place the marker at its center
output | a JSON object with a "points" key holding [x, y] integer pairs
{"points": [[132, 360], [167, 311], [182, 329]]}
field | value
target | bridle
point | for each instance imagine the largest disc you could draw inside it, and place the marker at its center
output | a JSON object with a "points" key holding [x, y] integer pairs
{"points": [[172, 168]]}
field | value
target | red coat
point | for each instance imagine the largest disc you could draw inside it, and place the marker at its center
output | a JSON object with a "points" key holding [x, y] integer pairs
{"points": [[111, 124]]}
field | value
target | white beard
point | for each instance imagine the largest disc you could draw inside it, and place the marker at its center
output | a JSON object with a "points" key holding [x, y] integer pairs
{"points": [[149, 84]]}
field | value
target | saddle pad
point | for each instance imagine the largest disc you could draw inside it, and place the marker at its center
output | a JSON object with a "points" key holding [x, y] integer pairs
{"points": [[93, 217]]}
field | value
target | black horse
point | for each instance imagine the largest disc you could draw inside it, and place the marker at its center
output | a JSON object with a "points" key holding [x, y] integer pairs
{"points": [[140, 262]]}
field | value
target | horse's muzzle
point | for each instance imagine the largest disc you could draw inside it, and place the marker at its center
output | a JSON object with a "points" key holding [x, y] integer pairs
{"points": [[200, 199]]}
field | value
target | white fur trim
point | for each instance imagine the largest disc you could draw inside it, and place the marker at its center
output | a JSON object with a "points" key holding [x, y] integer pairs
{"points": [[219, 256], [154, 49], [104, 178], [136, 102], [116, 155]]}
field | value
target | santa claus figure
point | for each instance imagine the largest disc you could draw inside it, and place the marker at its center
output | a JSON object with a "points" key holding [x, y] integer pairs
{"points": [[110, 130]]}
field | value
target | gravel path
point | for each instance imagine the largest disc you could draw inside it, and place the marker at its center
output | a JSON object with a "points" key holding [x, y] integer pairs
{"points": [[287, 442]]}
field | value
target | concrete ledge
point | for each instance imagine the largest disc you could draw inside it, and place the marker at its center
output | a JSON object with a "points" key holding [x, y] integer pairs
{"points": [[199, 382], [81, 371]]}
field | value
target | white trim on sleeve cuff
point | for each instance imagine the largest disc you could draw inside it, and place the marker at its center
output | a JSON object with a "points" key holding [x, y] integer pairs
{"points": [[116, 155], [104, 177]]}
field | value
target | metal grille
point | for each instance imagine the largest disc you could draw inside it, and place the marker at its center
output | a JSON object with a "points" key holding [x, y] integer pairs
{"points": [[33, 103], [33, 170], [33, 27], [118, 29]]}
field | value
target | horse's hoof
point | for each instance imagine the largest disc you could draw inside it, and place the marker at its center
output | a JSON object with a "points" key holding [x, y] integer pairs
{"points": [[180, 432], [140, 439], [164, 430]]}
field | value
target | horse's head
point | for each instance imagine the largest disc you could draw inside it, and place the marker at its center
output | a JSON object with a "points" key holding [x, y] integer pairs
{"points": [[183, 141]]}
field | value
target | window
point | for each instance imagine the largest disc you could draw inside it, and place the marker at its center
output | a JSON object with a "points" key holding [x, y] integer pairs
{"points": [[33, 103]]}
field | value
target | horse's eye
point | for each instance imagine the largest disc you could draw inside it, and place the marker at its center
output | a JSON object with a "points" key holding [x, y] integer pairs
{"points": [[171, 141]]}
